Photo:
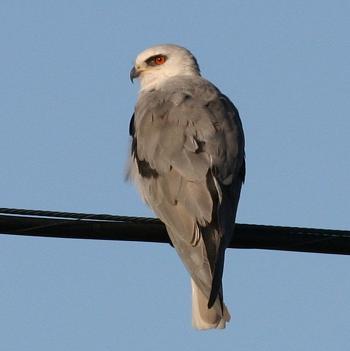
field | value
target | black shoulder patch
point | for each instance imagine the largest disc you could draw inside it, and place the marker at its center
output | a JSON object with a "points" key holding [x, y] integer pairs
{"points": [[144, 167], [131, 125]]}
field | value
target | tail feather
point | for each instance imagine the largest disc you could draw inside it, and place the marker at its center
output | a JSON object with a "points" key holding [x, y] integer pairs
{"points": [[207, 318]]}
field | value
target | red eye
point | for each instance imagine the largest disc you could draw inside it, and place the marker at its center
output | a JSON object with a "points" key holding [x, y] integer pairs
{"points": [[159, 60]]}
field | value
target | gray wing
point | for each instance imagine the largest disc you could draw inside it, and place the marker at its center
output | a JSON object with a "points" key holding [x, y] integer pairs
{"points": [[188, 161]]}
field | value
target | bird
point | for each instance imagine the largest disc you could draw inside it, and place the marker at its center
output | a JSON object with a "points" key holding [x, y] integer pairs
{"points": [[187, 160]]}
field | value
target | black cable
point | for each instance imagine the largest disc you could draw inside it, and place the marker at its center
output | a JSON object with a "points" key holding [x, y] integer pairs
{"points": [[110, 227]]}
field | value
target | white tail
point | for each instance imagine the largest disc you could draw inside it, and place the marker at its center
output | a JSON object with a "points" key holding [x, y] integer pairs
{"points": [[203, 317]]}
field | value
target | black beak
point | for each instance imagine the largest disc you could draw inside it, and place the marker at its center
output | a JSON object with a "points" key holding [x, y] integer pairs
{"points": [[133, 74]]}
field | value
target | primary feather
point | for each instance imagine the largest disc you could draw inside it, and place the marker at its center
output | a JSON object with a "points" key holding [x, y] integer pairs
{"points": [[187, 160]]}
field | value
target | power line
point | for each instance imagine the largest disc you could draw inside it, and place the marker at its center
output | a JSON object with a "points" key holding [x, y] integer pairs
{"points": [[109, 227]]}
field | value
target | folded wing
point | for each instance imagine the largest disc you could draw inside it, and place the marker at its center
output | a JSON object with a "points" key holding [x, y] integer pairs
{"points": [[188, 161]]}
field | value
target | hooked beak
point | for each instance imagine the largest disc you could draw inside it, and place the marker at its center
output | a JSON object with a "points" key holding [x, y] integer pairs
{"points": [[134, 73]]}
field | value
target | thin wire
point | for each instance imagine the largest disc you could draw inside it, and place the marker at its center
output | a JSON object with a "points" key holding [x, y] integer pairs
{"points": [[77, 215]]}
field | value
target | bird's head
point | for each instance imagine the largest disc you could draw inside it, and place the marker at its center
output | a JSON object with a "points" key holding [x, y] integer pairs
{"points": [[158, 63]]}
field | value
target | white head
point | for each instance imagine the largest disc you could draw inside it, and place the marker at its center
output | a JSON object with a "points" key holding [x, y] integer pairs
{"points": [[158, 63]]}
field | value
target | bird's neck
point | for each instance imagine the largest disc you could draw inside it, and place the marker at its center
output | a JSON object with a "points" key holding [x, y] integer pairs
{"points": [[151, 81]]}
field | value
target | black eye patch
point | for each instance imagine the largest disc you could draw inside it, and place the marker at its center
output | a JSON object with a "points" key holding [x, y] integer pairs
{"points": [[152, 61]]}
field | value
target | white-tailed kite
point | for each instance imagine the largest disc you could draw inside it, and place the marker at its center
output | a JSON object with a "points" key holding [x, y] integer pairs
{"points": [[187, 160]]}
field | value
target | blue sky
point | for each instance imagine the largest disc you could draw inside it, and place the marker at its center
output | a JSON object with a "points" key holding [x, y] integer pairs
{"points": [[65, 105]]}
